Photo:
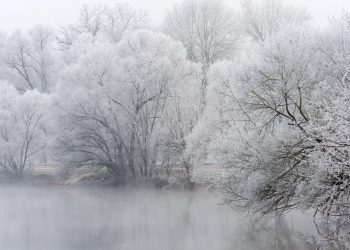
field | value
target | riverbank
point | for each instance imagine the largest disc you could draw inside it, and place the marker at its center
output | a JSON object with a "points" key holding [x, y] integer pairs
{"points": [[90, 176]]}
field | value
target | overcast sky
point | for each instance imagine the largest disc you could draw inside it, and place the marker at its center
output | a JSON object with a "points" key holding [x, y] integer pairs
{"points": [[24, 14]]}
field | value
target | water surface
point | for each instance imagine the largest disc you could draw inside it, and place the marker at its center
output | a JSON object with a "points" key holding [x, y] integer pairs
{"points": [[91, 218]]}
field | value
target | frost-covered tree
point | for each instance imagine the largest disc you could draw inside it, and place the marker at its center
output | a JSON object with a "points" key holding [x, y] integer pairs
{"points": [[329, 158], [23, 120], [151, 66], [177, 123], [94, 131], [277, 123], [29, 60], [252, 104], [264, 18], [123, 90], [208, 29], [275, 103], [103, 22]]}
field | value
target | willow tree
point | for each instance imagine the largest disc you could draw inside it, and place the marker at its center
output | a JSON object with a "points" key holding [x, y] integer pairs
{"points": [[115, 97]]}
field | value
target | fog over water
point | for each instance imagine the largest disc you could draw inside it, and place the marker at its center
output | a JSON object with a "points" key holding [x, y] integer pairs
{"points": [[118, 118], [76, 218]]}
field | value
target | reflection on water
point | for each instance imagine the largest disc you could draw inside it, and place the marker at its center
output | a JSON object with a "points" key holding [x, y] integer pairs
{"points": [[274, 234], [82, 218]]}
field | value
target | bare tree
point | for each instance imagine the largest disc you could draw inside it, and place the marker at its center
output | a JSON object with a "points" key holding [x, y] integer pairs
{"points": [[208, 29]]}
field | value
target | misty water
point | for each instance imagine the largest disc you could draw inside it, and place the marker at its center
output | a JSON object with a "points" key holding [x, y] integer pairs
{"points": [[92, 218]]}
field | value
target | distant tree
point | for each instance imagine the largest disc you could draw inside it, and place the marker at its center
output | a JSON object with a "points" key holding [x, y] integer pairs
{"points": [[103, 22], [29, 60], [23, 118], [263, 19], [209, 30]]}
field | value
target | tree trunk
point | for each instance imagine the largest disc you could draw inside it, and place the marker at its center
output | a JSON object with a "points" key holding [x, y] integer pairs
{"points": [[131, 160]]}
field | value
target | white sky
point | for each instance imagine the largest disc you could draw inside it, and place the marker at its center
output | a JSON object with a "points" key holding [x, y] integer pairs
{"points": [[24, 14]]}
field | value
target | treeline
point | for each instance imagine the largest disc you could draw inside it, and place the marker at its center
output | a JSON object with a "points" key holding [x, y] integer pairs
{"points": [[260, 90]]}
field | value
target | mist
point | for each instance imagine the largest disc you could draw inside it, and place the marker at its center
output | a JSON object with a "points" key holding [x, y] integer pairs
{"points": [[218, 126], [84, 218]]}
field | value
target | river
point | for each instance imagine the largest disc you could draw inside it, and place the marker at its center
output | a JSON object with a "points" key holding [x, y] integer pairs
{"points": [[103, 218]]}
